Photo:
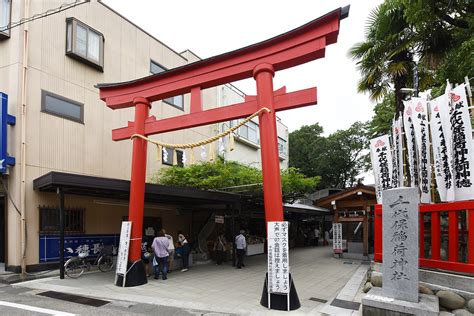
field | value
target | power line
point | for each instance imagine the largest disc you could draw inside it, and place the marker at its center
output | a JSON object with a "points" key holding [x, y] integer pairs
{"points": [[63, 7]]}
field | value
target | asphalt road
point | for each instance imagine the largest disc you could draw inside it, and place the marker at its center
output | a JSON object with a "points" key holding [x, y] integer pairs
{"points": [[24, 301]]}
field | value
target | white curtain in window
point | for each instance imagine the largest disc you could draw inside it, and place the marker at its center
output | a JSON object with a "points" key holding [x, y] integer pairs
{"points": [[4, 14], [93, 46], [69, 36], [81, 40]]}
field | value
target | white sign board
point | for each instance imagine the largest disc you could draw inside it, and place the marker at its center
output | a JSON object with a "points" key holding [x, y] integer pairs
{"points": [[219, 219], [337, 237], [122, 257], [278, 258]]}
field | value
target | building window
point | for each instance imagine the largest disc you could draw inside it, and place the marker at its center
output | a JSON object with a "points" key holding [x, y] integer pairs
{"points": [[180, 157], [84, 43], [167, 156], [62, 107], [281, 146], [249, 131], [74, 222], [5, 18], [176, 101]]}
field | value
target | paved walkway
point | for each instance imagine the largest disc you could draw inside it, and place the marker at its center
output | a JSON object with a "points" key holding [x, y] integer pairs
{"points": [[317, 275]]}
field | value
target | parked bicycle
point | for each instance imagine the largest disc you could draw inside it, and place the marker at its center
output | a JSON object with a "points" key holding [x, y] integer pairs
{"points": [[76, 266]]}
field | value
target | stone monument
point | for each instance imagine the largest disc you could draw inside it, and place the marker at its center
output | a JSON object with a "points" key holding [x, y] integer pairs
{"points": [[400, 244]]}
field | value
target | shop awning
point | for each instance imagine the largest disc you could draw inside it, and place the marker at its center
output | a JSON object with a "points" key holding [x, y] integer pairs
{"points": [[306, 209], [77, 184]]}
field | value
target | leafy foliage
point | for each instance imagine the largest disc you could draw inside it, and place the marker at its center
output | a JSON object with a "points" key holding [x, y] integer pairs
{"points": [[437, 34], [338, 158], [381, 122], [234, 176]]}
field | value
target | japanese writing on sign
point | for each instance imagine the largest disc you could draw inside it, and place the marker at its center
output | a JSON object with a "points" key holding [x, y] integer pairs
{"points": [[278, 258], [122, 257], [400, 243], [337, 237], [411, 143], [462, 145], [420, 123], [381, 157], [441, 153]]}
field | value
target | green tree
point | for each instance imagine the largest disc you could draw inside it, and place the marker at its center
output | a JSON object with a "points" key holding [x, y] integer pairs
{"points": [[306, 148], [385, 58], [381, 122], [234, 177], [338, 159]]}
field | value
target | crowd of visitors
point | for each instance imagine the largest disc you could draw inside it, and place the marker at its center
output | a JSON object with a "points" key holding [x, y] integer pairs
{"points": [[162, 252]]}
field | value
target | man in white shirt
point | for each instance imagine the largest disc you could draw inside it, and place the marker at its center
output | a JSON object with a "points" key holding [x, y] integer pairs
{"points": [[317, 234], [240, 245], [170, 251]]}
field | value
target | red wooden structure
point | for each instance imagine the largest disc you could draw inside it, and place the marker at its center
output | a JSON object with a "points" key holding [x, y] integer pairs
{"points": [[259, 61], [434, 234]]}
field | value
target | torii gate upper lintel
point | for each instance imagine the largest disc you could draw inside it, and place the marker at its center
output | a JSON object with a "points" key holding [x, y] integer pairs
{"points": [[259, 61]]}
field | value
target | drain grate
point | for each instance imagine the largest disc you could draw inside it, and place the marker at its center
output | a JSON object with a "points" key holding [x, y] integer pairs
{"points": [[347, 262], [345, 304], [320, 300], [74, 298]]}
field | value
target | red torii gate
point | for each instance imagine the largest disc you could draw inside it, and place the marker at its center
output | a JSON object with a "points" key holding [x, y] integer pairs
{"points": [[260, 60]]}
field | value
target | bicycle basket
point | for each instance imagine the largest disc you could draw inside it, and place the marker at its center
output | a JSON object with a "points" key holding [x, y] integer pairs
{"points": [[108, 249]]}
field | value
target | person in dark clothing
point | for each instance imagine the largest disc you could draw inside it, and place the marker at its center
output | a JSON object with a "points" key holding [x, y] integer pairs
{"points": [[185, 252], [219, 247]]}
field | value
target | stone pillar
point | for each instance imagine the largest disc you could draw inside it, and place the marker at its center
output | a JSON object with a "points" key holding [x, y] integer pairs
{"points": [[400, 243]]}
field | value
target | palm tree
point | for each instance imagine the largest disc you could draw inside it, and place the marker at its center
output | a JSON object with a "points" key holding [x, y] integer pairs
{"points": [[385, 58]]}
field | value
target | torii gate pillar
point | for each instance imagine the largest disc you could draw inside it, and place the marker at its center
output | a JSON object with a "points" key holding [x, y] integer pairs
{"points": [[263, 75]]}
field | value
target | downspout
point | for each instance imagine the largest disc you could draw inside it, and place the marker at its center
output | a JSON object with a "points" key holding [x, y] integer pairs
{"points": [[24, 81]]}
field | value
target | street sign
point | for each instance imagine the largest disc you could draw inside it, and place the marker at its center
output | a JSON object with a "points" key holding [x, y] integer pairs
{"points": [[122, 258], [5, 119], [278, 258]]}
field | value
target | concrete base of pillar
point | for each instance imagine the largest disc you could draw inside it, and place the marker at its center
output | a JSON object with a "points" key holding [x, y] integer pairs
{"points": [[136, 275], [375, 303]]}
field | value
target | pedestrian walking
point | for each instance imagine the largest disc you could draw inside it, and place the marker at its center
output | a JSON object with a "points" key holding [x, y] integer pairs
{"points": [[219, 247], [171, 251], [240, 245], [317, 234], [160, 248], [185, 252]]}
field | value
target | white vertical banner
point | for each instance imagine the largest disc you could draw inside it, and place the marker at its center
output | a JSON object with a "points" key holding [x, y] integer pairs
{"points": [[441, 153], [278, 258], [337, 237], [420, 123], [411, 143], [462, 144], [381, 157], [124, 245], [397, 152]]}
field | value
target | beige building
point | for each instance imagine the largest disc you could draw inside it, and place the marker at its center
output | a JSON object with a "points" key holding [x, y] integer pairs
{"points": [[62, 137]]}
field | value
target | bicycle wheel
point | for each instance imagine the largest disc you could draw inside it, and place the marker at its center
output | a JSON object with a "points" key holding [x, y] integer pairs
{"points": [[105, 263], [74, 268]]}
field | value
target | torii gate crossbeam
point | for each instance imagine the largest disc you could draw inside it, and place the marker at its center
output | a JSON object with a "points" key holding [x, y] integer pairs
{"points": [[260, 61]]}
